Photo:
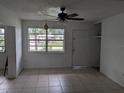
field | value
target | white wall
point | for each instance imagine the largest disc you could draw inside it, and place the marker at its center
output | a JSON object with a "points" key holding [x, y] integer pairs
{"points": [[8, 17], [46, 60], [18, 37], [112, 48]]}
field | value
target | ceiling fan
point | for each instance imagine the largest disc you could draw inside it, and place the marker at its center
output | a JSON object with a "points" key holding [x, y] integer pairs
{"points": [[64, 16]]}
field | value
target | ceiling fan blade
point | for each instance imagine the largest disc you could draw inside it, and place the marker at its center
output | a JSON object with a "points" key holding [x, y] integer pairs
{"points": [[80, 19], [73, 15], [49, 15], [45, 13]]}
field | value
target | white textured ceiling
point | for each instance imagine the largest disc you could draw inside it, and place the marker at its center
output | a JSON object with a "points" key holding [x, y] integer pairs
{"points": [[91, 10]]}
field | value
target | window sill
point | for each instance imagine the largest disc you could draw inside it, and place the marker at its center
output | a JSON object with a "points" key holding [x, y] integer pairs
{"points": [[35, 52]]}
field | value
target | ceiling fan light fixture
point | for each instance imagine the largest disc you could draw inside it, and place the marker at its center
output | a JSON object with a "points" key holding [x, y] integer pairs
{"points": [[64, 16]]}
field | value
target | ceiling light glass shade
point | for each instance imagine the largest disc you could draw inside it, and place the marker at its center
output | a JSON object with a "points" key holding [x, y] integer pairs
{"points": [[46, 26]]}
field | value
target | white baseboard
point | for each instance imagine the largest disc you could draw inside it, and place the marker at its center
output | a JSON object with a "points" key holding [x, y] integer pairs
{"points": [[82, 67], [79, 67]]}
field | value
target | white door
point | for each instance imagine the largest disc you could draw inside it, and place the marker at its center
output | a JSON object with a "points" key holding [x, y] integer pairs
{"points": [[11, 51], [82, 48]]}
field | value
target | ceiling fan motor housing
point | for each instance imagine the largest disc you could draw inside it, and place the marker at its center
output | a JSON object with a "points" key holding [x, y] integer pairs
{"points": [[62, 9], [62, 16]]}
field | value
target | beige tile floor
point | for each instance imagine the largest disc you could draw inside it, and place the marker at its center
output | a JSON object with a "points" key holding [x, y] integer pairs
{"points": [[60, 81]]}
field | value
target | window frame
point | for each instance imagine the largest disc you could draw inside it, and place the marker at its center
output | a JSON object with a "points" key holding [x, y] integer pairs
{"points": [[35, 40], [3, 40], [46, 40]]}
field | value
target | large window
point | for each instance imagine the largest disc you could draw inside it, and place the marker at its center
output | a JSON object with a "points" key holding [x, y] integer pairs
{"points": [[47, 41], [2, 40]]}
